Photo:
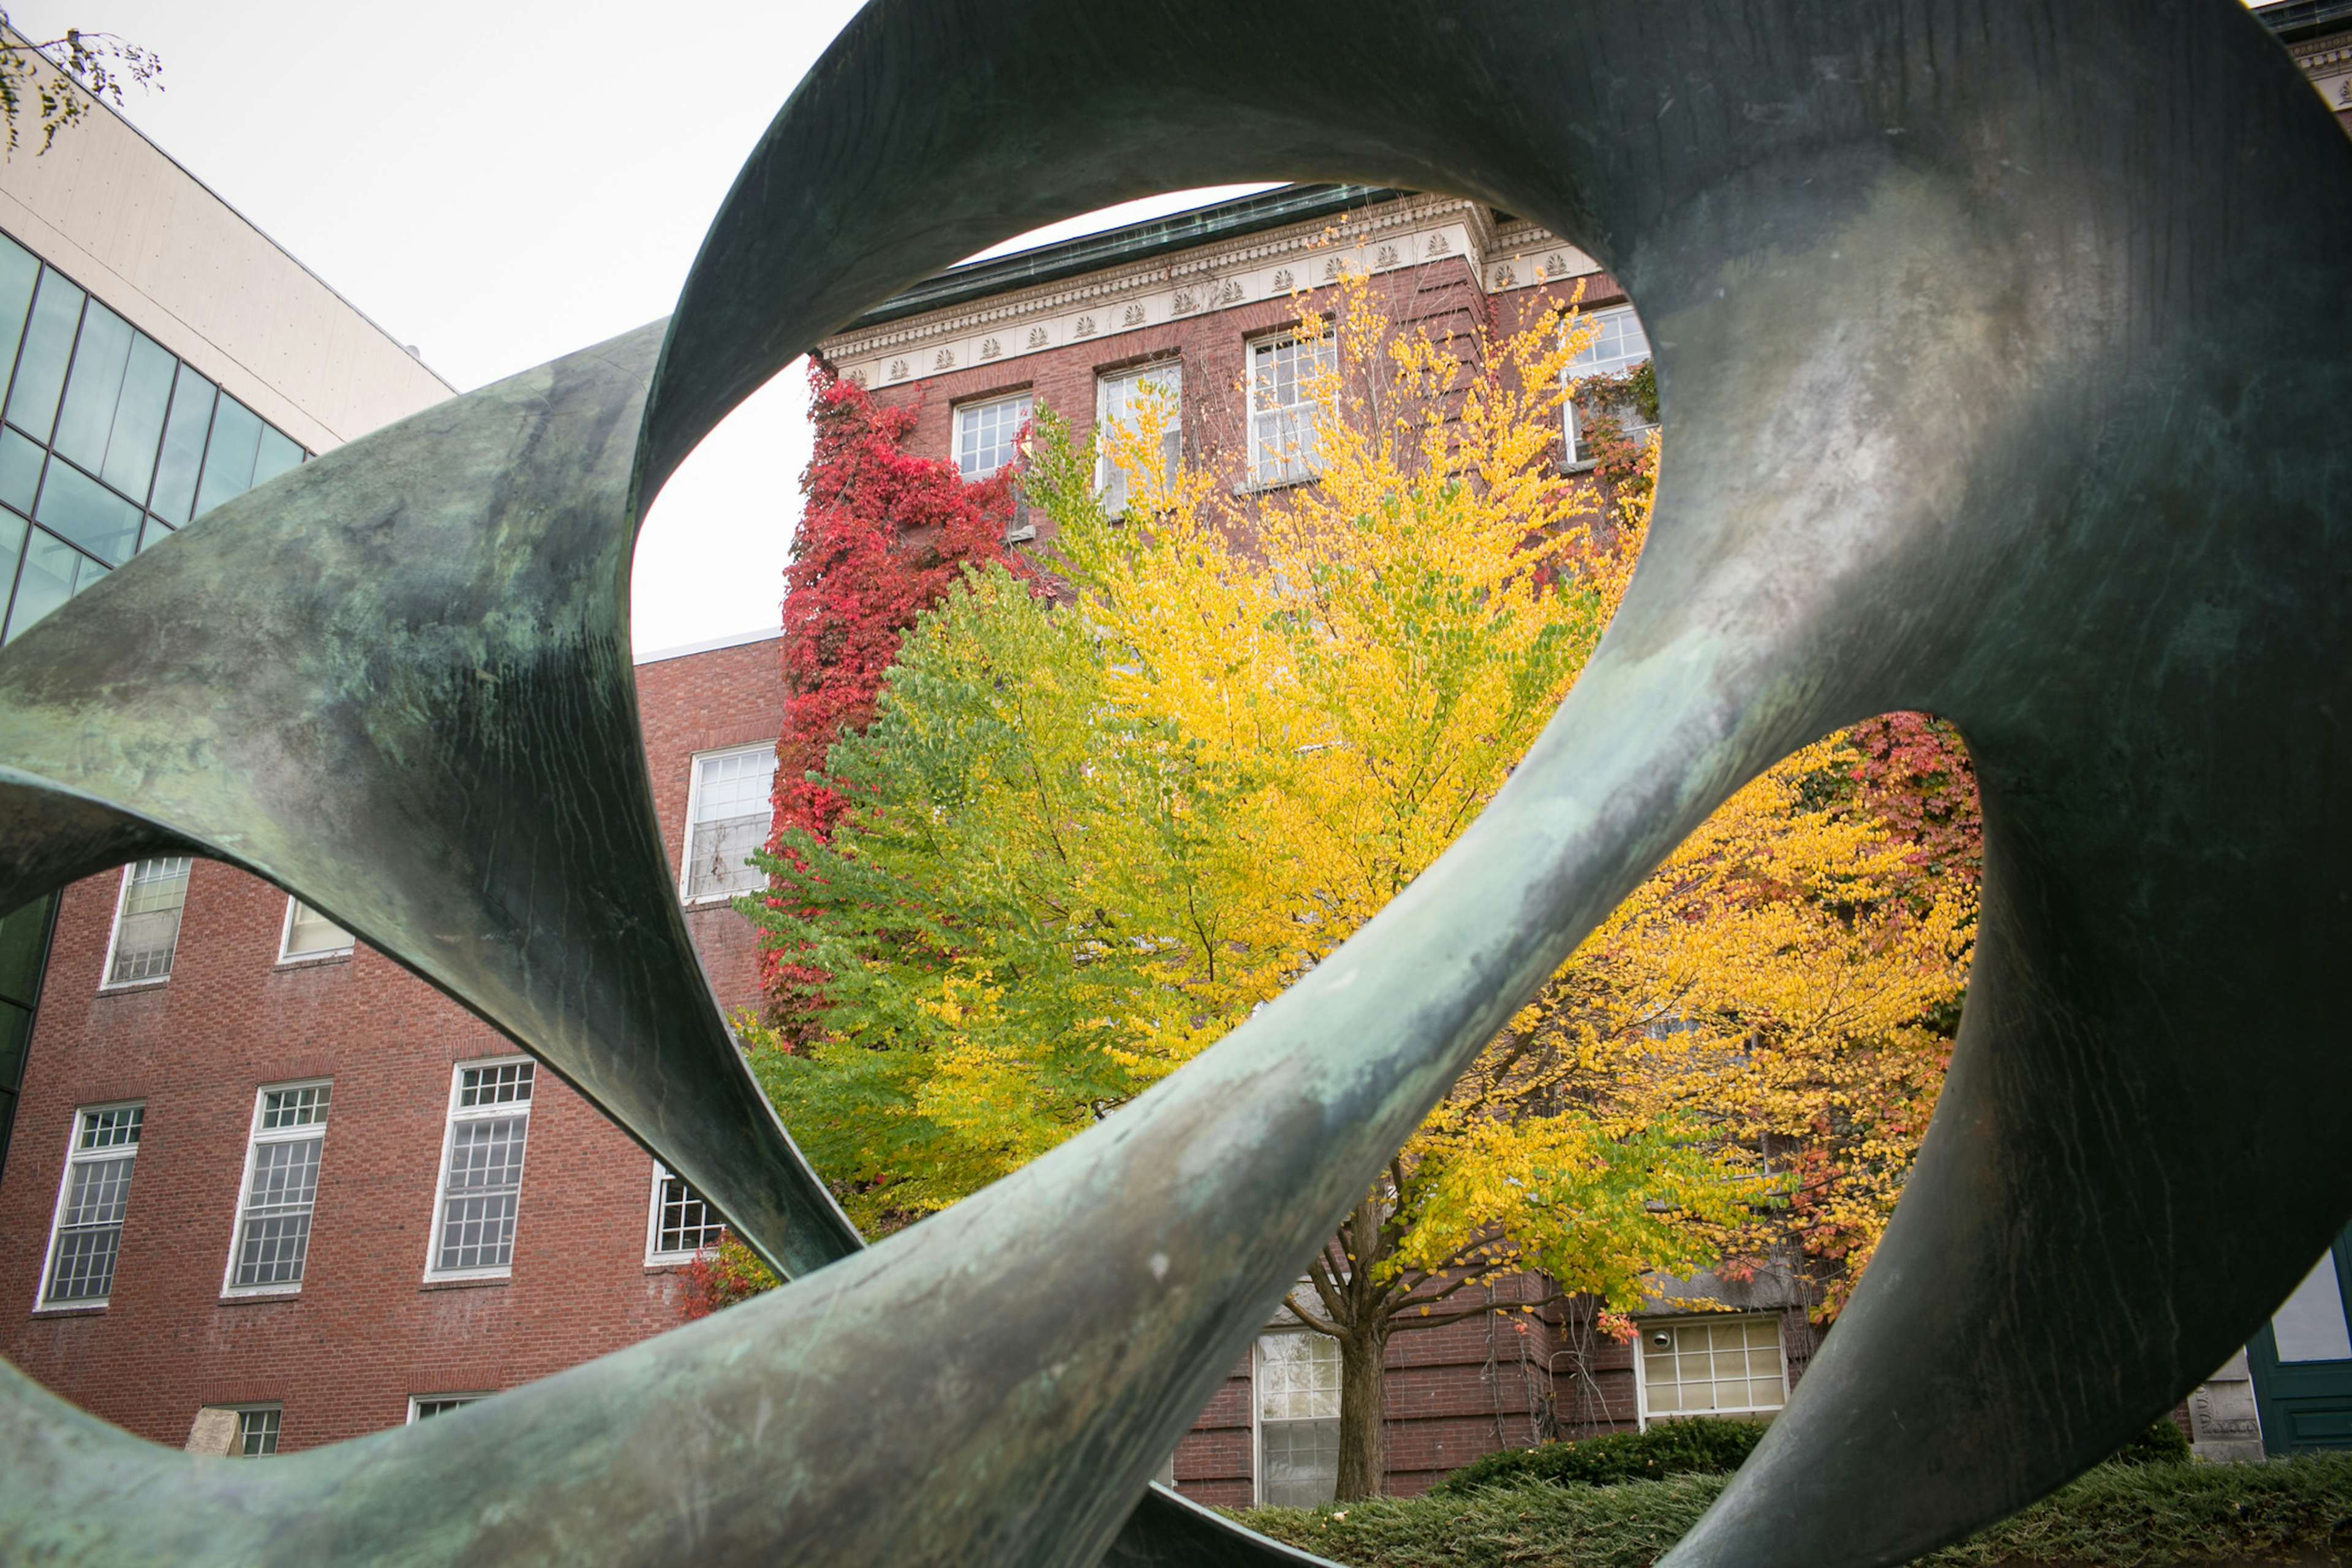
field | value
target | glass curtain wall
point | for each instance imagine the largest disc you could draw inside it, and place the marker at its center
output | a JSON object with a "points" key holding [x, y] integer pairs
{"points": [[108, 442]]}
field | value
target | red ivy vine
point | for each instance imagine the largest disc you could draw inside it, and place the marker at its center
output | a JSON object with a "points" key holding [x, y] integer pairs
{"points": [[882, 534]]}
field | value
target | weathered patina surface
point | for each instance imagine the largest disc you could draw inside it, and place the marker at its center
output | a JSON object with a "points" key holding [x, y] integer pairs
{"points": [[1997, 341]]}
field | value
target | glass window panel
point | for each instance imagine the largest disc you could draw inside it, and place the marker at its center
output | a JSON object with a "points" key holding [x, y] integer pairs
{"points": [[41, 364], [12, 549], [228, 459], [732, 818], [91, 1202], [52, 574], [274, 1236], [257, 1433], [1126, 399], [138, 417], [147, 928], [1283, 377], [18, 270], [20, 470], [82, 510], [986, 434], [184, 446], [86, 418], [428, 1408], [1302, 1463], [683, 1223], [2310, 1324], [153, 533], [308, 933], [1665, 1399], [276, 453]]}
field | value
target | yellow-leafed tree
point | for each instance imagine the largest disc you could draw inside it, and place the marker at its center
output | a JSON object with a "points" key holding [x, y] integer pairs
{"points": [[1084, 842]]}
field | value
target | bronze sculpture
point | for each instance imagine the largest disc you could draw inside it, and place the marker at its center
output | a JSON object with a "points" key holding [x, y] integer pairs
{"points": [[1983, 328]]}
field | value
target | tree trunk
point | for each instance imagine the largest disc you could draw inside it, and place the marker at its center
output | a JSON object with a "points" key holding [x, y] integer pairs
{"points": [[1363, 1435]]}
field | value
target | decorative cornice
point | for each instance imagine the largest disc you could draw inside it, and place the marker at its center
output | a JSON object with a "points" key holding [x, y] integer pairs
{"points": [[1411, 231]]}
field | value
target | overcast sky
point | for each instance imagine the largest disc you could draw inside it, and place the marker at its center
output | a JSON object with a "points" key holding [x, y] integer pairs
{"points": [[502, 181]]}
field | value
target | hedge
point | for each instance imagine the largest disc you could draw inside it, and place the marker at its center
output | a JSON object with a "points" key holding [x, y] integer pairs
{"points": [[1702, 1445], [2118, 1516]]}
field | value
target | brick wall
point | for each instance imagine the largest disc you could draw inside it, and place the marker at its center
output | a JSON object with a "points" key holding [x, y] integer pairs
{"points": [[366, 1331]]}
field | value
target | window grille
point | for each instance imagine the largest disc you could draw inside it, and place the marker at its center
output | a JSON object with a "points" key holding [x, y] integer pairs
{"points": [[1298, 1393], [257, 1433], [310, 934], [422, 1408], [683, 1225], [1723, 1366], [87, 1233], [481, 1179], [281, 1188], [987, 434], [1123, 399], [1282, 386], [730, 816], [147, 921]]}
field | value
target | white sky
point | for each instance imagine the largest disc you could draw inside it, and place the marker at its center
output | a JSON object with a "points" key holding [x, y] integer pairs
{"points": [[502, 181]]}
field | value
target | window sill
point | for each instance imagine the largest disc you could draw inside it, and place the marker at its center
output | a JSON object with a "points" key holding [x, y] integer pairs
{"points": [[71, 1310], [1268, 487], [1580, 466], [467, 1282], [239, 1297], [314, 960], [123, 987], [670, 1264], [717, 900]]}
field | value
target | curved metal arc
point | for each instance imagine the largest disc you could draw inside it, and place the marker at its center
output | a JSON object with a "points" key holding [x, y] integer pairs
{"points": [[454, 651]]}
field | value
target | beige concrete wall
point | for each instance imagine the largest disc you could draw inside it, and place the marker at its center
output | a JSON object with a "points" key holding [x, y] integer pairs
{"points": [[108, 209]]}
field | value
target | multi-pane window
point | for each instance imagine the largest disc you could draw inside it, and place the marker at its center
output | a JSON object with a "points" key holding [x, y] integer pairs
{"points": [[728, 817], [987, 434], [147, 921], [91, 1201], [257, 1432], [425, 1406], [110, 443], [1284, 375], [310, 934], [281, 1188], [682, 1224], [481, 1169], [1721, 1365], [1297, 1379], [1619, 344], [1126, 400]]}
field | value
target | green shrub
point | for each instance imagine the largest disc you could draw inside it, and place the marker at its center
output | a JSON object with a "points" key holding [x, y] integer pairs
{"points": [[2118, 1516], [1698, 1447], [2161, 1444]]}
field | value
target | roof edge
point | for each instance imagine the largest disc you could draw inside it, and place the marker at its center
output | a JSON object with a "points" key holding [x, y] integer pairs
{"points": [[713, 645], [1128, 243]]}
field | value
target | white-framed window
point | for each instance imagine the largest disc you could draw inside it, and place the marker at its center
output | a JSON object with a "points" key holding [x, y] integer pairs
{"points": [[1618, 346], [1282, 372], [1295, 1399], [987, 434], [1726, 1363], [481, 1190], [86, 1233], [280, 1189], [729, 812], [256, 1431], [1122, 399], [146, 923], [307, 933], [681, 1224], [425, 1406]]}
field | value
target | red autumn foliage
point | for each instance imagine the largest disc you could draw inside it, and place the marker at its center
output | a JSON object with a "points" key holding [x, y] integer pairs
{"points": [[882, 534], [1915, 776], [721, 1276]]}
